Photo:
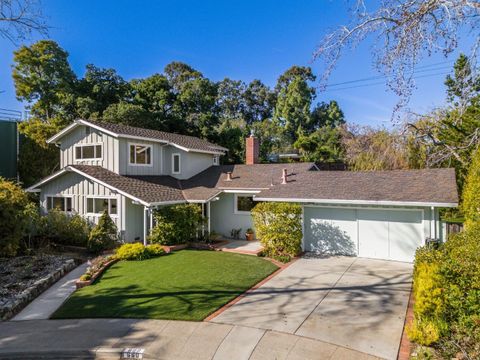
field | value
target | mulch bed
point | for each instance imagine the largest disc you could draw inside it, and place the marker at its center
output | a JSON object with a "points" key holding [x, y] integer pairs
{"points": [[19, 274]]}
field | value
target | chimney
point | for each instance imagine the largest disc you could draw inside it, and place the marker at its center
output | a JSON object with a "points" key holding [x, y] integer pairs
{"points": [[229, 176], [252, 150], [284, 176]]}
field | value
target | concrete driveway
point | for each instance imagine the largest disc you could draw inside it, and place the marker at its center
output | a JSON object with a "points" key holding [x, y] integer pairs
{"points": [[352, 302]]}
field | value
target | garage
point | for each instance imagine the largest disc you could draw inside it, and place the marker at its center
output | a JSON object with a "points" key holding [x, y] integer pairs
{"points": [[386, 234]]}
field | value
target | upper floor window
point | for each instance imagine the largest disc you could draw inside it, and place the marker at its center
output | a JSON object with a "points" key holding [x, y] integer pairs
{"points": [[176, 163], [61, 203], [216, 159], [140, 154], [99, 205], [86, 152]]}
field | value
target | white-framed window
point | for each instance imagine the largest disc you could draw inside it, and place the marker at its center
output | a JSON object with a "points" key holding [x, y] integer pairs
{"points": [[216, 159], [140, 154], [59, 202], [88, 152], [176, 164], [243, 204], [97, 205]]}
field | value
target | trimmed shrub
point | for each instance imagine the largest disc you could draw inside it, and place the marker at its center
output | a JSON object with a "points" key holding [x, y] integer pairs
{"points": [[104, 235], [137, 251], [279, 228], [471, 192], [176, 224], [64, 229], [13, 225]]}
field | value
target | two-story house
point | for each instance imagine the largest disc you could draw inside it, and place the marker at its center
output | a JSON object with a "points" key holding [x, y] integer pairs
{"points": [[130, 171]]}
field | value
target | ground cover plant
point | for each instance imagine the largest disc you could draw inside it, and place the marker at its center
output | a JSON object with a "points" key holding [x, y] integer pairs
{"points": [[184, 285]]}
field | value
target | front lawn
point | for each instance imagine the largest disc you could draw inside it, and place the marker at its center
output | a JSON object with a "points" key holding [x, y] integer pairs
{"points": [[185, 285]]}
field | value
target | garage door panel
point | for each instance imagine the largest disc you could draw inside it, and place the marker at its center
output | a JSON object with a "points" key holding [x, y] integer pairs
{"points": [[330, 231], [373, 234], [405, 234]]}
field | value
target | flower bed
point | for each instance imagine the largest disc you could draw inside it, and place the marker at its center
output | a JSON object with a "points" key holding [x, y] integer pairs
{"points": [[97, 266], [23, 278]]}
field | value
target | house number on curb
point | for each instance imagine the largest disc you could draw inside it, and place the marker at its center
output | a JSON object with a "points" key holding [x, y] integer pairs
{"points": [[133, 353]]}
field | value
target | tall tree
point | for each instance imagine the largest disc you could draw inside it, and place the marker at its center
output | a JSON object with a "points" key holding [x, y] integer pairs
{"points": [[179, 73], [43, 77], [230, 99], [294, 99], [326, 114], [259, 102]]}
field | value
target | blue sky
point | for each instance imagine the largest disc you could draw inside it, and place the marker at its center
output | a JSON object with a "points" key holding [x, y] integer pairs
{"points": [[237, 39]]}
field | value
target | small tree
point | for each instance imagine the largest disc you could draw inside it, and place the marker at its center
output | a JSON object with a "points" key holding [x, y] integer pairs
{"points": [[176, 224], [13, 201], [104, 235], [279, 228], [471, 191]]}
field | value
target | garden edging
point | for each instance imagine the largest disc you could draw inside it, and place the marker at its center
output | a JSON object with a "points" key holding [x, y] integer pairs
{"points": [[12, 308], [82, 283]]}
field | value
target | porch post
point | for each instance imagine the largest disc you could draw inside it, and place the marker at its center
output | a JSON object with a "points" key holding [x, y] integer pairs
{"points": [[203, 217], [208, 217], [433, 225], [150, 211], [145, 214]]}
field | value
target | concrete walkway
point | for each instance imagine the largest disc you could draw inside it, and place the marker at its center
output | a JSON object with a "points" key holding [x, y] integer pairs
{"points": [[160, 339], [350, 302], [50, 300]]}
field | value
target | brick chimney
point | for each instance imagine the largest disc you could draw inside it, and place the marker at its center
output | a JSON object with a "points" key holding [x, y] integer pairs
{"points": [[252, 150]]}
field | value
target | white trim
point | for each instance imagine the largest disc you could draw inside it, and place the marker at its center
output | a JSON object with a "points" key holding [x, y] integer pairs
{"points": [[358, 202], [82, 145], [179, 163], [235, 203], [216, 160], [34, 187], [172, 202], [240, 191], [106, 197], [129, 144], [64, 196]]}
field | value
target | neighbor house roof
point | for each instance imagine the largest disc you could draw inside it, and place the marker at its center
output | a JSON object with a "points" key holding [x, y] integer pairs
{"points": [[184, 142], [433, 187]]}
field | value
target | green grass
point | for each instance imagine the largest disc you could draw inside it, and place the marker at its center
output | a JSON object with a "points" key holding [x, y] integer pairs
{"points": [[185, 285]]}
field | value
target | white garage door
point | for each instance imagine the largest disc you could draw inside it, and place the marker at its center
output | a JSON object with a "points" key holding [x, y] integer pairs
{"points": [[380, 234]]}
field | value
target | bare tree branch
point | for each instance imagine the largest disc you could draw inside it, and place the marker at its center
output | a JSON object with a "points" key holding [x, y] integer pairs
{"points": [[20, 18]]}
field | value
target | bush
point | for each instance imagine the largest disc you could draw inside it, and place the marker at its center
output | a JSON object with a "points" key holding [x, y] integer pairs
{"points": [[471, 191], [279, 228], [447, 295], [13, 225], [104, 236], [64, 229], [137, 251], [176, 224]]}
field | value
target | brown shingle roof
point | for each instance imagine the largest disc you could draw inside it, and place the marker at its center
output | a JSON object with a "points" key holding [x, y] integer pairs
{"points": [[156, 189], [189, 142], [423, 186]]}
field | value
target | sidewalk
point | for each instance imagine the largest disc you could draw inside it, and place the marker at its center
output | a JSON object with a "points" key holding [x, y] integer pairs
{"points": [[50, 300], [107, 338]]}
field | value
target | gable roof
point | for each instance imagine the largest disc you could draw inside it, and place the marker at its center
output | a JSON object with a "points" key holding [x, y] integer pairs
{"points": [[184, 142], [425, 187]]}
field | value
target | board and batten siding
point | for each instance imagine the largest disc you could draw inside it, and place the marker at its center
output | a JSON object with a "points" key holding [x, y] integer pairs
{"points": [[191, 163], [79, 188], [124, 155], [78, 136]]}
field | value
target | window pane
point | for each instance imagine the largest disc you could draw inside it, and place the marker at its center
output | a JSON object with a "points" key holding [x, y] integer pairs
{"points": [[143, 154], [245, 203], [147, 156], [98, 151], [78, 152], [176, 163], [49, 203], [132, 154], [68, 202], [101, 205], [89, 205], [88, 152], [113, 206], [58, 203]]}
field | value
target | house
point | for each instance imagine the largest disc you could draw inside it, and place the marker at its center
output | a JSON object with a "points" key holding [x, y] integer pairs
{"points": [[130, 171]]}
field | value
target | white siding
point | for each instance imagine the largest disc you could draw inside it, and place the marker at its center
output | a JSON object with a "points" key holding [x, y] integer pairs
{"points": [[109, 144]]}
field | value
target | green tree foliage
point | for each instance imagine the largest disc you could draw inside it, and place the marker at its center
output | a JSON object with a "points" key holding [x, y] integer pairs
{"points": [[13, 225], [279, 228], [43, 76], [179, 73], [61, 228], [104, 235], [128, 114], [324, 145], [471, 192], [326, 114], [176, 224], [259, 102]]}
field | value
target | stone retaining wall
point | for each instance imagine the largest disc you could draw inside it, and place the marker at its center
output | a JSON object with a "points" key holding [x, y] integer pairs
{"points": [[14, 306]]}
